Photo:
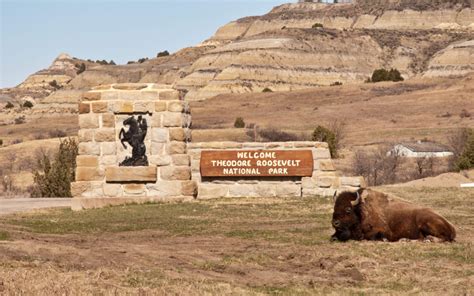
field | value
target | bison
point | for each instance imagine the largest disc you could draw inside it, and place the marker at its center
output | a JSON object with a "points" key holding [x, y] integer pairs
{"points": [[372, 215]]}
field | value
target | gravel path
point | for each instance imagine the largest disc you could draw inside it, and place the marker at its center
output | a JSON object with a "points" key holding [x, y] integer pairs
{"points": [[15, 205]]}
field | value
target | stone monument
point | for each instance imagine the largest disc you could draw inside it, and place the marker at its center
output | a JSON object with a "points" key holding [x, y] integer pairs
{"points": [[132, 146]]}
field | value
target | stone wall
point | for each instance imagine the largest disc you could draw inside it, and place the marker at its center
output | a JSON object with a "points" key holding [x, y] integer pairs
{"points": [[174, 171], [99, 178], [324, 181]]}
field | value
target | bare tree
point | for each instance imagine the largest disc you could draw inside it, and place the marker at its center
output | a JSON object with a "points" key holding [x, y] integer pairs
{"points": [[26, 164], [10, 160], [424, 167], [7, 183], [379, 166], [40, 153]]}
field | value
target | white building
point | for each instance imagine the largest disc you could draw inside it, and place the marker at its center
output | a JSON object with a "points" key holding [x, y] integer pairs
{"points": [[421, 149]]}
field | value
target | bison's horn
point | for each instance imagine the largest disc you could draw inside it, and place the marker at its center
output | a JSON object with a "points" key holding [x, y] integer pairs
{"points": [[334, 198], [357, 201]]}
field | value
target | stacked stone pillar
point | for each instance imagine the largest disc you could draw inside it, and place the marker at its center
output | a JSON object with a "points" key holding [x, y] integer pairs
{"points": [[99, 178]]}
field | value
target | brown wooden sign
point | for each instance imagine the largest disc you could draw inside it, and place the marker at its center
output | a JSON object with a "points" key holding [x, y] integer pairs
{"points": [[257, 163]]}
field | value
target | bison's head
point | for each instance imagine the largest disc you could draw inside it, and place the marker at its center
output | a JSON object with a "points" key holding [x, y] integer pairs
{"points": [[345, 218]]}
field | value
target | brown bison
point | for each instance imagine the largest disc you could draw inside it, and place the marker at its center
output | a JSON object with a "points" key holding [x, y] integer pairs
{"points": [[371, 215]]}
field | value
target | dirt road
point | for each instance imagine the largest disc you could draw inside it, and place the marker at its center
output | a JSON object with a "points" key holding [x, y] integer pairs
{"points": [[15, 205]]}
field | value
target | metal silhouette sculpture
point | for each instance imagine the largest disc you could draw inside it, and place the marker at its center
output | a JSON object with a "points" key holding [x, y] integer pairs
{"points": [[135, 137]]}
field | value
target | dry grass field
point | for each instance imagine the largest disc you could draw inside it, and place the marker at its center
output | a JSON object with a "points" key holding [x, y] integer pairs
{"points": [[374, 113], [230, 246], [40, 127], [18, 161], [22, 144]]}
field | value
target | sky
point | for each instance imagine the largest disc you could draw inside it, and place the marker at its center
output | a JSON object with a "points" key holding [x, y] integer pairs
{"points": [[35, 32]]}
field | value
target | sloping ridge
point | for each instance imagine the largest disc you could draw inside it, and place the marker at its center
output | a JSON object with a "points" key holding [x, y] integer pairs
{"points": [[288, 59], [382, 14]]}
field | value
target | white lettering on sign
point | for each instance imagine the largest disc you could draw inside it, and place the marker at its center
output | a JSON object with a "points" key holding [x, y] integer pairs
{"points": [[280, 163], [256, 155], [278, 171], [259, 163], [230, 163], [240, 171]]}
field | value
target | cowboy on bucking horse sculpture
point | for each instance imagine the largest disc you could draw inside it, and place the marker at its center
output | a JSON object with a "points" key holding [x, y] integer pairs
{"points": [[135, 137]]}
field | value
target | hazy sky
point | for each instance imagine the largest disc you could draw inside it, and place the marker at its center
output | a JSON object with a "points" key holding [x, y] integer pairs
{"points": [[33, 32]]}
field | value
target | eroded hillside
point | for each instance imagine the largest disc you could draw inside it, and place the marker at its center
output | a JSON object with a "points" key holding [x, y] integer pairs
{"points": [[367, 14], [289, 59], [294, 46], [305, 45]]}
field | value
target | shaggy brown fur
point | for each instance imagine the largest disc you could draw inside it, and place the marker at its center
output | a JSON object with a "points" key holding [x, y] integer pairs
{"points": [[378, 217]]}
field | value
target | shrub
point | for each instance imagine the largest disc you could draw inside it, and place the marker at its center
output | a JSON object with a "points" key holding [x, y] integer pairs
{"points": [[334, 135], [4, 236], [53, 177], [267, 90], [337, 83], [323, 134], [379, 75], [384, 75], [56, 133], [317, 25], [1, 142], [82, 68], [28, 104], [142, 60], [39, 136], [103, 62], [163, 54], [466, 159], [465, 114], [20, 120], [112, 63], [275, 135], [54, 84], [446, 115], [239, 122], [17, 141], [395, 75], [9, 105], [458, 143]]}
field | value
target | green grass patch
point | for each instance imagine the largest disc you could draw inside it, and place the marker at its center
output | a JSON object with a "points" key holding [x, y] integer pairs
{"points": [[269, 221], [169, 217]]}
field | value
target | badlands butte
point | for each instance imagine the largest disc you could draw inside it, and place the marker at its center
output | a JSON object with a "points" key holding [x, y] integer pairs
{"points": [[296, 53]]}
